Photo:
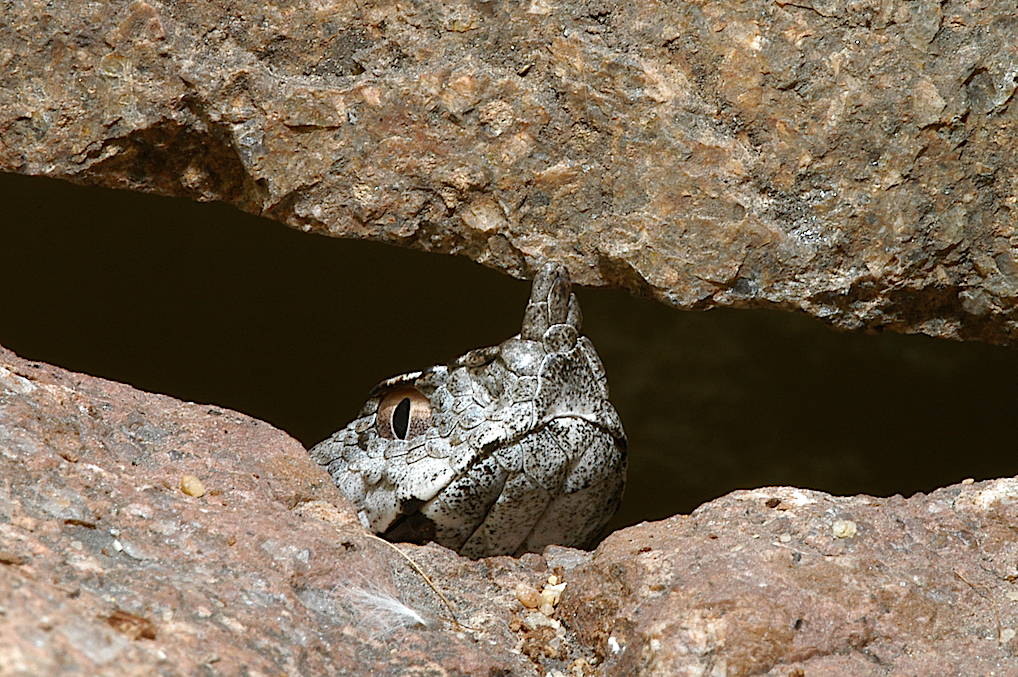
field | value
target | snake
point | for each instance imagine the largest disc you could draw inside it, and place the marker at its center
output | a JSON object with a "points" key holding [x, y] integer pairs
{"points": [[503, 451]]}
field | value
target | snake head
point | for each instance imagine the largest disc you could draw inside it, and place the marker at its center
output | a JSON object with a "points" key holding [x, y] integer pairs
{"points": [[502, 451]]}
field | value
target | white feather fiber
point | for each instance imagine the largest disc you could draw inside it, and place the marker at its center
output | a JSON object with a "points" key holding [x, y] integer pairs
{"points": [[380, 610]]}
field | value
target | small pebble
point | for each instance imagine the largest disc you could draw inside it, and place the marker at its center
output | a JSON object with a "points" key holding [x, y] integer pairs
{"points": [[192, 486], [528, 596], [535, 619], [552, 594], [579, 667]]}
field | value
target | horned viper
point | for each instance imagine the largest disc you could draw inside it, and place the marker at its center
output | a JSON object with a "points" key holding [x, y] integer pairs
{"points": [[504, 450]]}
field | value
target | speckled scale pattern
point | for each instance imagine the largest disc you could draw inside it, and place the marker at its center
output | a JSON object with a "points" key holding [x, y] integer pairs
{"points": [[521, 447]]}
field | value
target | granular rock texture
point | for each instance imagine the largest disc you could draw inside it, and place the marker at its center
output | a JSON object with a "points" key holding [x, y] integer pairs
{"points": [[851, 159], [140, 535], [789, 582], [112, 564]]}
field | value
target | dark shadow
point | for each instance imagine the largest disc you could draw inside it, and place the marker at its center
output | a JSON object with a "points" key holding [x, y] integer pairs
{"points": [[205, 303]]}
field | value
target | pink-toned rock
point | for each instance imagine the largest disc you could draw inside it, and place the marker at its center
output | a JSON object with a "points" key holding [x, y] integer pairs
{"points": [[108, 567], [788, 582]]}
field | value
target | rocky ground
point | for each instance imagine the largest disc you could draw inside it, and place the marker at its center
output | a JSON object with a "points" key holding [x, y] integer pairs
{"points": [[143, 535]]}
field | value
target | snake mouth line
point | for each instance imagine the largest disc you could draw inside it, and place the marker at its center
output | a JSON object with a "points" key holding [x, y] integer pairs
{"points": [[413, 526]]}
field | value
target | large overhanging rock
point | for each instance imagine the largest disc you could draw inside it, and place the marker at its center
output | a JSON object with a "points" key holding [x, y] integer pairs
{"points": [[141, 535], [855, 160]]}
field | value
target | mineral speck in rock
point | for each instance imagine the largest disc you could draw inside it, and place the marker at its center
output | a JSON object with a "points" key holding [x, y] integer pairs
{"points": [[192, 486], [844, 529], [135, 627]]}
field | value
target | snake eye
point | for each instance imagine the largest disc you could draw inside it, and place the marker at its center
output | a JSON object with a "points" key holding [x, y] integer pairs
{"points": [[403, 413], [401, 418]]}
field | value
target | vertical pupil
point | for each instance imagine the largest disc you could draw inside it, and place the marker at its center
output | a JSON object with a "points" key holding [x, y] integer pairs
{"points": [[401, 418]]}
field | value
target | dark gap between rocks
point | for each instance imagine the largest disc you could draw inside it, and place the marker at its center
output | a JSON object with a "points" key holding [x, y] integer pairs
{"points": [[205, 303]]}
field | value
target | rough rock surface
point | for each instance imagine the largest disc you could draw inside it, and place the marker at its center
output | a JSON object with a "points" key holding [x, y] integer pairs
{"points": [[853, 159], [142, 535], [113, 561], [789, 582]]}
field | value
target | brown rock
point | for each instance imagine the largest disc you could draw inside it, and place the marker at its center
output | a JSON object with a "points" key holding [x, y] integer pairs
{"points": [[774, 582], [854, 161]]}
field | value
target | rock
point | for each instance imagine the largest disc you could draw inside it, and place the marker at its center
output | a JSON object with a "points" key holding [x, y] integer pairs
{"points": [[781, 581], [854, 161], [109, 566]]}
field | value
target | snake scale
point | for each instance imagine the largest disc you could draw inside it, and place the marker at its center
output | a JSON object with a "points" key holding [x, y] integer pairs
{"points": [[504, 450]]}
